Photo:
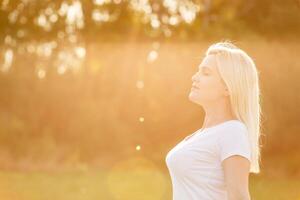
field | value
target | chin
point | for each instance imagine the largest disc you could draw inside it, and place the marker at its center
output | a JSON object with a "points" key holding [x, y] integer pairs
{"points": [[193, 97]]}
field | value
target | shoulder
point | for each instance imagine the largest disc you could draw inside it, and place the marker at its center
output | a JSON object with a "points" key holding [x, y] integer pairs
{"points": [[234, 131], [235, 126], [233, 140]]}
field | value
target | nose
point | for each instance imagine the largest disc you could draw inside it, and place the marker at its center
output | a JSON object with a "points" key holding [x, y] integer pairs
{"points": [[194, 78]]}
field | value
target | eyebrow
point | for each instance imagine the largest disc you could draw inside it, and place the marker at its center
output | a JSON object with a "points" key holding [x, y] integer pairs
{"points": [[205, 68]]}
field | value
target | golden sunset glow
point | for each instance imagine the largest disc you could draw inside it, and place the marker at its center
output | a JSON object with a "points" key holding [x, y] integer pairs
{"points": [[95, 93]]}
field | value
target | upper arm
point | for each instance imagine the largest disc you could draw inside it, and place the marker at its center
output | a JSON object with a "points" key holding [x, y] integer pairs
{"points": [[235, 157], [236, 174]]}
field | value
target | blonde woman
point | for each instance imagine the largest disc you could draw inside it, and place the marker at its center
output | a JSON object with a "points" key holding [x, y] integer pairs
{"points": [[214, 162]]}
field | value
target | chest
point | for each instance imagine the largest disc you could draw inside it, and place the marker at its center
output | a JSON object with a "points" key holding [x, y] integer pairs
{"points": [[199, 154]]}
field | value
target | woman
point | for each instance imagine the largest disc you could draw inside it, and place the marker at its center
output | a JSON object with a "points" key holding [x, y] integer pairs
{"points": [[214, 162]]}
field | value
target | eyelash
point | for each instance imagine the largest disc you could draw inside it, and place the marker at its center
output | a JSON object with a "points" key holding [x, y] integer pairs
{"points": [[204, 73]]}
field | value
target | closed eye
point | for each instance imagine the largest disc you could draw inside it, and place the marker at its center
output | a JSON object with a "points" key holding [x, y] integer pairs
{"points": [[204, 72]]}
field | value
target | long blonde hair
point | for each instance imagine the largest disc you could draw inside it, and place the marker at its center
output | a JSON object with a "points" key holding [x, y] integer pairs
{"points": [[240, 75]]}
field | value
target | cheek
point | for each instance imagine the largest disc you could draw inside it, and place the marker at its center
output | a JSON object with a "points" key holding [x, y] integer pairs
{"points": [[207, 84], [210, 88]]}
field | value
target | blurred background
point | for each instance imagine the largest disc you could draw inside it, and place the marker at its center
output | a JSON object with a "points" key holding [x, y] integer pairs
{"points": [[93, 94]]}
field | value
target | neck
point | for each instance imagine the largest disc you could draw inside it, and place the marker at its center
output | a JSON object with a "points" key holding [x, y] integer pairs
{"points": [[218, 112]]}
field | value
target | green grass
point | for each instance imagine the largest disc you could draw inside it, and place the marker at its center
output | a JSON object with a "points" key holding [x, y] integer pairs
{"points": [[44, 186], [98, 185], [274, 189]]}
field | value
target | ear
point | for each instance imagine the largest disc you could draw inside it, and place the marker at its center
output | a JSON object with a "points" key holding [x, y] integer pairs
{"points": [[226, 92]]}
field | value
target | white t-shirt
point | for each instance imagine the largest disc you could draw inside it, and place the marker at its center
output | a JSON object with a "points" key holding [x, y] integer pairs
{"points": [[194, 163]]}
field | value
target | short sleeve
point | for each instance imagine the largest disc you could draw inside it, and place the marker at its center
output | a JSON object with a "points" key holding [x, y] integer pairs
{"points": [[234, 141]]}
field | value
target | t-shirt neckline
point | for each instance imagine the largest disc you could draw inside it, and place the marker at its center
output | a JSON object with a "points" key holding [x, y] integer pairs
{"points": [[201, 130]]}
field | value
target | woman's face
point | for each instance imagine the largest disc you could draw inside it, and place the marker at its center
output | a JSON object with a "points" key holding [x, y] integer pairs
{"points": [[208, 85]]}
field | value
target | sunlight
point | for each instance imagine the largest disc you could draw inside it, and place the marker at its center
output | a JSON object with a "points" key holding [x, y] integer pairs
{"points": [[13, 16], [155, 23], [42, 22], [46, 49], [80, 52], [75, 15], [152, 56], [101, 2], [141, 119], [171, 5], [141, 6], [53, 18], [61, 69], [49, 11], [63, 9], [186, 9], [100, 16], [174, 20], [70, 58], [138, 147], [41, 73], [117, 1], [187, 14], [79, 78], [8, 59]]}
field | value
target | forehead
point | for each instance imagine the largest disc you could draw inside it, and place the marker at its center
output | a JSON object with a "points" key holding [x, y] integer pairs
{"points": [[208, 61]]}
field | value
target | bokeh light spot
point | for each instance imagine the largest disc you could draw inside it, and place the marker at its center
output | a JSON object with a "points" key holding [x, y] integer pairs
{"points": [[141, 119], [152, 56], [138, 147]]}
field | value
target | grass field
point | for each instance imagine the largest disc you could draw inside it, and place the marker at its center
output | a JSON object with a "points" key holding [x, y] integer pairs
{"points": [[94, 185], [117, 130]]}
